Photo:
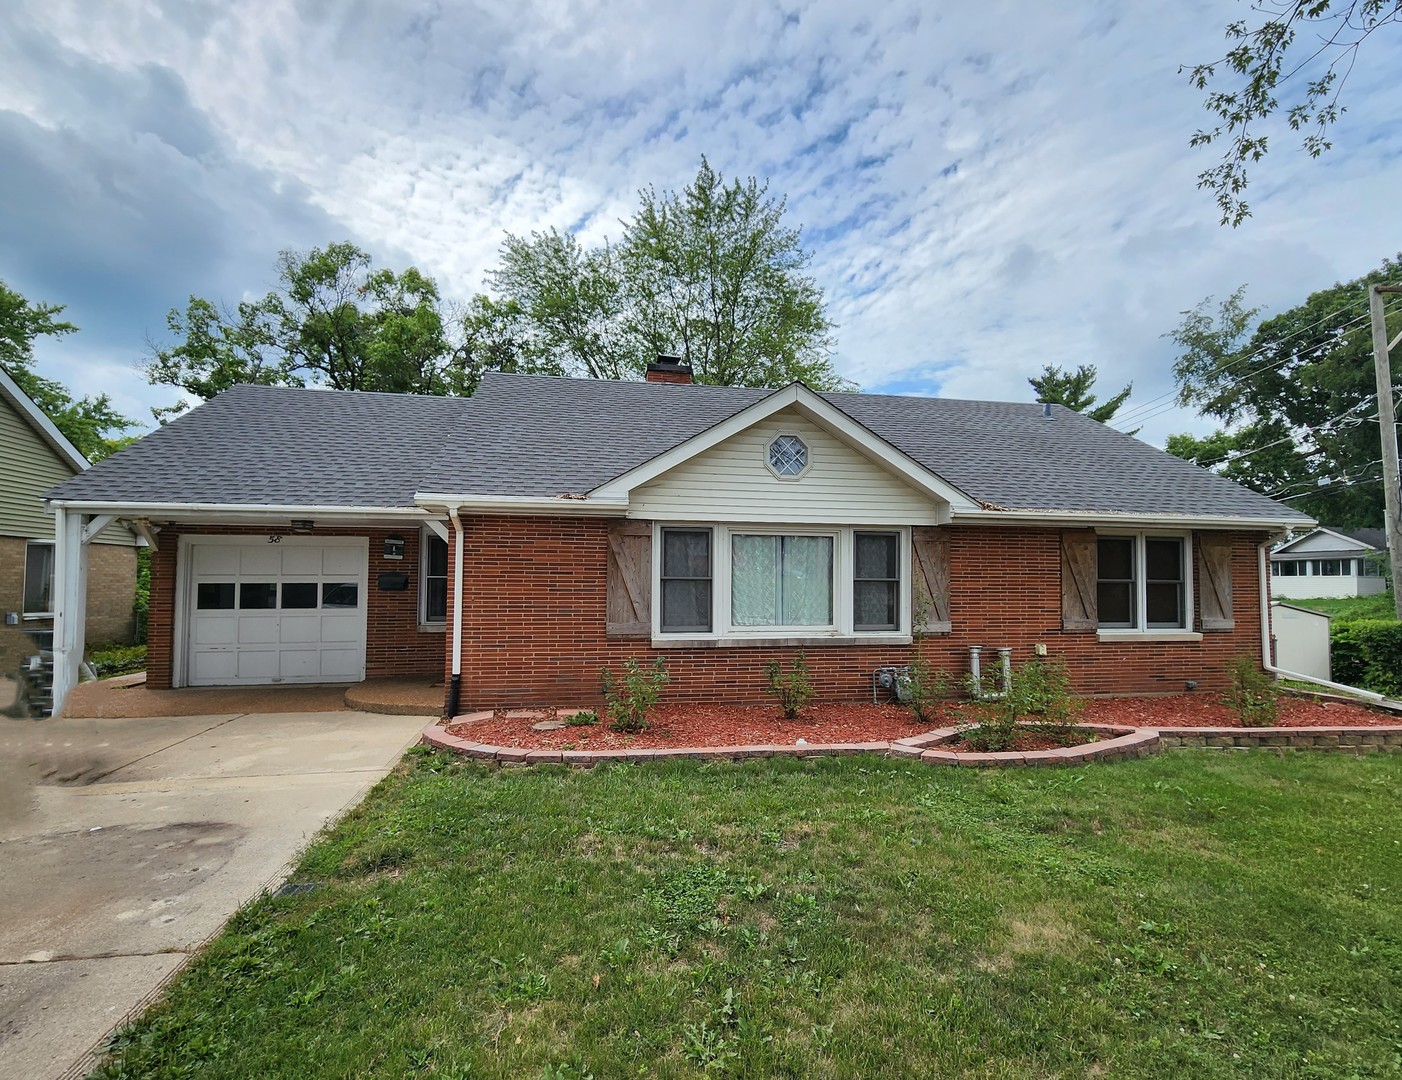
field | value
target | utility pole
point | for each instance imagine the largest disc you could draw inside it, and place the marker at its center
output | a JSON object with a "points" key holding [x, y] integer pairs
{"points": [[1387, 424]]}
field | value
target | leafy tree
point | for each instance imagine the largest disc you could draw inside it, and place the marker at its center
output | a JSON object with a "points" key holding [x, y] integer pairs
{"points": [[711, 274], [1072, 389], [1296, 394], [90, 423], [1255, 62], [334, 320]]}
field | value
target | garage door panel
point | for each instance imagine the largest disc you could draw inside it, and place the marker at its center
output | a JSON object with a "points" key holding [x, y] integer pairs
{"points": [[339, 628], [305, 561], [300, 629], [347, 561], [213, 666], [299, 663], [214, 561], [340, 663], [257, 629], [263, 560], [258, 664], [216, 630]]}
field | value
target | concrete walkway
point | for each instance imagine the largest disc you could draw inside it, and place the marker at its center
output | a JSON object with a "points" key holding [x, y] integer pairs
{"points": [[126, 843]]}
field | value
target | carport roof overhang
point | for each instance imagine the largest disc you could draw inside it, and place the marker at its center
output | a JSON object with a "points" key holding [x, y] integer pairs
{"points": [[246, 513]]}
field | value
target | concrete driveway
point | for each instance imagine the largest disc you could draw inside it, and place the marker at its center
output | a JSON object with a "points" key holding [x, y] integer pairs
{"points": [[126, 843]]}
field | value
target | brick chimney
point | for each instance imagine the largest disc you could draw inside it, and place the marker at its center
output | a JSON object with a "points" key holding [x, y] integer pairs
{"points": [[668, 369]]}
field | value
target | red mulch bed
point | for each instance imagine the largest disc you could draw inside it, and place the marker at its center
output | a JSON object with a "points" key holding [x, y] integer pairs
{"points": [[1205, 710], [749, 725]]}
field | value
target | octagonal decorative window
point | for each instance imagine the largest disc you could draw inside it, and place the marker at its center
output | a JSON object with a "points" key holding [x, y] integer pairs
{"points": [[788, 456]]}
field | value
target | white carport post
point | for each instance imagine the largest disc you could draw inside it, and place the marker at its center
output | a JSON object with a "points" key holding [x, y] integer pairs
{"points": [[72, 534]]}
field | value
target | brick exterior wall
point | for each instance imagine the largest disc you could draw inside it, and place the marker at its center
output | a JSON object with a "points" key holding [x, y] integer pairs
{"points": [[533, 628], [111, 590], [394, 643]]}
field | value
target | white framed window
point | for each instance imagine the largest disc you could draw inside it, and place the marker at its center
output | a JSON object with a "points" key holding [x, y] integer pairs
{"points": [[38, 580], [1144, 582], [433, 580], [748, 582]]}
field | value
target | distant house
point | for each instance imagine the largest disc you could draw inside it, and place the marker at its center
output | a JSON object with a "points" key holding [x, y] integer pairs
{"points": [[1331, 562], [34, 456], [517, 541]]}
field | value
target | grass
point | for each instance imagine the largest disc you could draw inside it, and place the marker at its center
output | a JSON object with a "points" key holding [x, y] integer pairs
{"points": [[1344, 608], [1194, 915]]}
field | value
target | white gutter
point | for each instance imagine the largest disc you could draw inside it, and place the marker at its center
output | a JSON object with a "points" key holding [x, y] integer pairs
{"points": [[455, 682], [525, 504], [1263, 573], [1111, 519]]}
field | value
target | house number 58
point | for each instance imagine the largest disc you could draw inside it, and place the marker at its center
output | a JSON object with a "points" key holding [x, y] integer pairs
{"points": [[274, 539]]}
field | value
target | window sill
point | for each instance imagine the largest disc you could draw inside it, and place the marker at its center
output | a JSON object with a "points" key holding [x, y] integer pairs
{"points": [[776, 642], [433, 627], [36, 616], [1148, 635]]}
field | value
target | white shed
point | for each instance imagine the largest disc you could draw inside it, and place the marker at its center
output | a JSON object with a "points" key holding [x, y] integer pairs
{"points": [[1301, 640]]}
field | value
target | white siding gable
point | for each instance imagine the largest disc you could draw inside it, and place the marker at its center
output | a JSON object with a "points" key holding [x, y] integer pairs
{"points": [[732, 482], [1326, 541]]}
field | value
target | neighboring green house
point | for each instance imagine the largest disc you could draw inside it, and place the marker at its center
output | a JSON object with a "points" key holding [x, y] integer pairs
{"points": [[34, 456]]}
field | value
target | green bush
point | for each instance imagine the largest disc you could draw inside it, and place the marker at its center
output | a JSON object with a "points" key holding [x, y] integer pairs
{"points": [[631, 695], [1039, 696], [926, 689], [1368, 653], [141, 605], [793, 688], [109, 660], [1252, 694]]}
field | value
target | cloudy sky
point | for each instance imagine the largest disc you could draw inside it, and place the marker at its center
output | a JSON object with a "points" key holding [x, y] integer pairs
{"points": [[986, 188]]}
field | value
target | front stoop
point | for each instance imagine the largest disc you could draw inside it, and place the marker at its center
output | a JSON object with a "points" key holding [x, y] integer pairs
{"points": [[421, 695]]}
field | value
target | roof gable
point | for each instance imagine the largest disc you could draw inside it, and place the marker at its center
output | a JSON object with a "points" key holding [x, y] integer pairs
{"points": [[815, 409], [39, 421]]}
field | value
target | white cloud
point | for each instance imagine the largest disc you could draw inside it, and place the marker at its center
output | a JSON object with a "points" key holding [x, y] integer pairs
{"points": [[986, 188]]}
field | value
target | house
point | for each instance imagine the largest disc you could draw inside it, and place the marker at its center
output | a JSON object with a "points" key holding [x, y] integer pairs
{"points": [[34, 456], [1331, 562], [520, 540]]}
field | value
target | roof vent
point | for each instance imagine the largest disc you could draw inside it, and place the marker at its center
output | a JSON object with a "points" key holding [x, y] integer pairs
{"points": [[668, 369], [1046, 410]]}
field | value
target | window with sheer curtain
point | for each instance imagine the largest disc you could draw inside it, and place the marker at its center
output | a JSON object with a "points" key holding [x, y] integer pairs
{"points": [[780, 580]]}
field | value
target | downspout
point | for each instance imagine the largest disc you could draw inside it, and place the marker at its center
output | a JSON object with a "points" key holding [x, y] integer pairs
{"points": [[1267, 660], [455, 678]]}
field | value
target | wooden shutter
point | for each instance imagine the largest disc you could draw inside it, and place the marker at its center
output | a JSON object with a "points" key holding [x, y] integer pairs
{"points": [[1078, 559], [629, 585], [930, 589], [1215, 581]]}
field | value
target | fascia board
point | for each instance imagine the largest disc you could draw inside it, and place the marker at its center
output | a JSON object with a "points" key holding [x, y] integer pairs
{"points": [[522, 504], [228, 510], [42, 423]]}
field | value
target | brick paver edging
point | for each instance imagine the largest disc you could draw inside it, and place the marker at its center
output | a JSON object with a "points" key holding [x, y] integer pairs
{"points": [[1349, 740], [1125, 743]]}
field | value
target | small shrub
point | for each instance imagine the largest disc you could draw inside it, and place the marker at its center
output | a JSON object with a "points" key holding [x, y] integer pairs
{"points": [[1038, 696], [925, 689], [1252, 694], [141, 602], [110, 660], [793, 688], [583, 718], [631, 695]]}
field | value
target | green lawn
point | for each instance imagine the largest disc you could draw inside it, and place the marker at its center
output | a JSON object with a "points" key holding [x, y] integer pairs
{"points": [[1351, 607], [1197, 914]]}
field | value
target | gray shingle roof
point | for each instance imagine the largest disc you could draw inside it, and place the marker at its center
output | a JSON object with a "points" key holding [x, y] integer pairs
{"points": [[537, 436]]}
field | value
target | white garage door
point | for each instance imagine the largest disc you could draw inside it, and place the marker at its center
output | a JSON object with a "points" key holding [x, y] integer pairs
{"points": [[283, 610]]}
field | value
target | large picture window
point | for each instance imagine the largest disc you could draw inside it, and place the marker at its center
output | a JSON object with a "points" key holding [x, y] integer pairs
{"points": [[38, 579], [742, 583], [780, 580], [1142, 582]]}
